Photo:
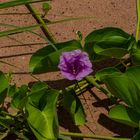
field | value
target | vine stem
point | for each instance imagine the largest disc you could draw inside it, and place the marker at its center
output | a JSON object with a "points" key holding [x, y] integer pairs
{"points": [[39, 19], [91, 136], [138, 20], [93, 81]]}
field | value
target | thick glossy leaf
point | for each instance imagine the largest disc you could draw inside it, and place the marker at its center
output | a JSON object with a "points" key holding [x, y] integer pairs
{"points": [[2, 96], [133, 73], [39, 86], [135, 56], [43, 121], [88, 47], [113, 52], [106, 71], [4, 82], [73, 105], [135, 53], [47, 59], [12, 90], [37, 91], [125, 115], [3, 86], [106, 34], [125, 86], [19, 98], [107, 42]]}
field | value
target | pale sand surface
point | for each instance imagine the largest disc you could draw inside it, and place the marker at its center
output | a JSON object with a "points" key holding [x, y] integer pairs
{"points": [[118, 13]]}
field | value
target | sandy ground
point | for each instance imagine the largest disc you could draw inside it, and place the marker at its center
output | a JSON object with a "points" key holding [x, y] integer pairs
{"points": [[17, 49]]}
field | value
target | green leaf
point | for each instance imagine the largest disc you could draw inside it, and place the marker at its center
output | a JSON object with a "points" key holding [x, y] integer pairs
{"points": [[113, 52], [73, 105], [47, 59], [125, 115], [4, 82], [39, 86], [46, 7], [18, 30], [37, 91], [106, 34], [107, 42], [135, 56], [17, 3], [125, 86], [44, 122], [3, 86], [12, 90], [133, 73], [106, 71], [135, 53], [19, 99]]}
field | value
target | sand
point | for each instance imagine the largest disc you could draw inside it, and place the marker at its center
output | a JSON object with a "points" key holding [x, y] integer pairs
{"points": [[17, 50]]}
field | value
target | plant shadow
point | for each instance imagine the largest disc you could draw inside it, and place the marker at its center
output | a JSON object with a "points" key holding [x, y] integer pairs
{"points": [[58, 84], [106, 102], [120, 129], [67, 123]]}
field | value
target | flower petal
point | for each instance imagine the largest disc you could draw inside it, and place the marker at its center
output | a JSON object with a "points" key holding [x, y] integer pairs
{"points": [[75, 65]]}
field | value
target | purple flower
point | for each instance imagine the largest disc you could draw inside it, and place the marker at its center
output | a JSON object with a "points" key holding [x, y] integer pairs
{"points": [[75, 65]]}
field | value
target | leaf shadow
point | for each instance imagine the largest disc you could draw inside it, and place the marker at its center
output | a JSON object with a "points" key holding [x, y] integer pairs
{"points": [[57, 84], [121, 130], [67, 123], [100, 102]]}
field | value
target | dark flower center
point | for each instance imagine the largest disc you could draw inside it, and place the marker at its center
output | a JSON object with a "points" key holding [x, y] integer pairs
{"points": [[75, 67]]}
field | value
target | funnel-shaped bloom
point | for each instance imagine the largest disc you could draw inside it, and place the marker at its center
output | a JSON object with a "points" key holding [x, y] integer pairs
{"points": [[75, 65]]}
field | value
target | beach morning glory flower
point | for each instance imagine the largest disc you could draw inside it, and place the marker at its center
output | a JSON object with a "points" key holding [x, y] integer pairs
{"points": [[75, 65]]}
